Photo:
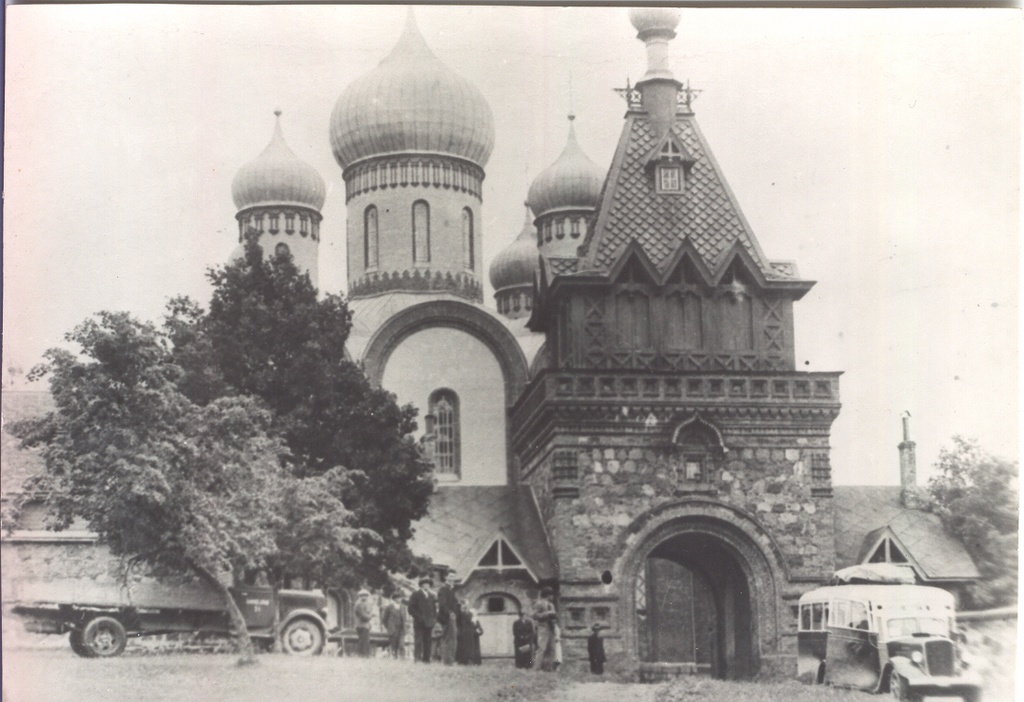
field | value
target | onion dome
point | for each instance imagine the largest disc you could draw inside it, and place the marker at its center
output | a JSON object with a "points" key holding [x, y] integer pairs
{"points": [[658, 19], [411, 102], [573, 181], [516, 265], [278, 177]]}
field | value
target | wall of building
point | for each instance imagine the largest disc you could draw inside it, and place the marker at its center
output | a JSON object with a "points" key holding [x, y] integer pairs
{"points": [[442, 357]]}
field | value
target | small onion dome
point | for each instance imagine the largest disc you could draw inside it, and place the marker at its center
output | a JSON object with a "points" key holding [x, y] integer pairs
{"points": [[659, 19], [516, 265], [411, 102], [278, 177], [573, 181]]}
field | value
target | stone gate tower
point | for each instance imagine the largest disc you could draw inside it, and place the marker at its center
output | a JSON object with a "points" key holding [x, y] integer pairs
{"points": [[681, 463]]}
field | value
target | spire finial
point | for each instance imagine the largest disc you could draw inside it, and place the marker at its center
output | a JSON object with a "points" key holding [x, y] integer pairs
{"points": [[277, 112]]}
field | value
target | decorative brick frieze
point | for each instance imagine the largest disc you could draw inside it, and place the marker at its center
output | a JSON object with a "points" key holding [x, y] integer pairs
{"points": [[419, 280], [413, 171]]}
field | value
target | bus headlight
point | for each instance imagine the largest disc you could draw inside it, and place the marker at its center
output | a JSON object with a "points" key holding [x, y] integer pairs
{"points": [[917, 657]]}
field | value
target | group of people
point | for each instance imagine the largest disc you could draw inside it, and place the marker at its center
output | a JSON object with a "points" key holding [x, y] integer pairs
{"points": [[446, 629]]}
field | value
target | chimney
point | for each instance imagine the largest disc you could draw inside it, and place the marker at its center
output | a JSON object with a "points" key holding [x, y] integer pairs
{"points": [[659, 90], [909, 493]]}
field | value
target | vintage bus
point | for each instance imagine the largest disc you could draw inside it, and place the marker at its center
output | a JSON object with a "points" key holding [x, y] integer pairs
{"points": [[883, 638]]}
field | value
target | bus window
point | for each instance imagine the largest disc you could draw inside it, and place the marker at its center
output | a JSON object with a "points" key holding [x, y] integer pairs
{"points": [[805, 618], [858, 615], [841, 614], [817, 616]]}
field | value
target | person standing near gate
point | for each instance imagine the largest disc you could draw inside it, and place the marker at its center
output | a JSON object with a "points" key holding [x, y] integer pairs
{"points": [[364, 615], [395, 620], [595, 650], [447, 616], [423, 610], [523, 634], [546, 618]]}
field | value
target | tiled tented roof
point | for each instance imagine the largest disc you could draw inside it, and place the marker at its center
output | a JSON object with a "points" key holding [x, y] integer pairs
{"points": [[864, 514], [465, 520], [706, 213]]}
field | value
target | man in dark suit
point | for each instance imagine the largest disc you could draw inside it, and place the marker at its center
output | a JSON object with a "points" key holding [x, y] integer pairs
{"points": [[447, 615], [423, 610], [523, 634]]}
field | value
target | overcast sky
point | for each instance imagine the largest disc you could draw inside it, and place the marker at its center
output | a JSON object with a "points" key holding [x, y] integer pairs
{"points": [[879, 149]]}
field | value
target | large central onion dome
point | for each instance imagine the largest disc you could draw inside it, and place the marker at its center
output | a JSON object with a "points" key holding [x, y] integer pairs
{"points": [[278, 177], [411, 102], [572, 182]]}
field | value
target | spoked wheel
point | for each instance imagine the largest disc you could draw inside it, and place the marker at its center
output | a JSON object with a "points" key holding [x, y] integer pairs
{"points": [[302, 637], [77, 645], [104, 637]]}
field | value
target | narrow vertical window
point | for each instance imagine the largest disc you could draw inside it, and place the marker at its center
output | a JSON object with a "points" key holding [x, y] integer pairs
{"points": [[467, 239], [560, 229], [420, 232], [575, 228], [444, 405], [370, 238]]}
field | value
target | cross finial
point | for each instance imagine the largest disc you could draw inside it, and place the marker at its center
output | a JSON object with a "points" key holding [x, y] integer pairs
{"points": [[277, 112]]}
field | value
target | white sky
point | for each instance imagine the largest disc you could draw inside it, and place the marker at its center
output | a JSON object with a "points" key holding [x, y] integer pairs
{"points": [[880, 149]]}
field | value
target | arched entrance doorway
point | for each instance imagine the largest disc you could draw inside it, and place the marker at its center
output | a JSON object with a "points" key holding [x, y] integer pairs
{"points": [[703, 593], [694, 608]]}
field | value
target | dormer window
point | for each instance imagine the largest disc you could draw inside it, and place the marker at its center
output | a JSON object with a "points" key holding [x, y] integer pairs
{"points": [[670, 178]]}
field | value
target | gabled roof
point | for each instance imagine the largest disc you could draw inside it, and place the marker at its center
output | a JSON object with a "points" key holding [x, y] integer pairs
{"points": [[706, 214], [464, 521], [864, 514]]}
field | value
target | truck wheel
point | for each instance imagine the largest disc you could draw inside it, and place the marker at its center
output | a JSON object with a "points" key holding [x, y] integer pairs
{"points": [[104, 637], [898, 688], [76, 644], [302, 637]]}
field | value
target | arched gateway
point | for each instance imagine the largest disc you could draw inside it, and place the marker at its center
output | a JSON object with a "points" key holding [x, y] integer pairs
{"points": [[701, 592]]}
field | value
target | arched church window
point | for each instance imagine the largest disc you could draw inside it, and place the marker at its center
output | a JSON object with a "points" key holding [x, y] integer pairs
{"points": [[370, 238], [698, 447], [303, 225], [444, 405], [275, 222], [560, 229], [420, 232], [289, 223], [575, 228], [467, 239]]}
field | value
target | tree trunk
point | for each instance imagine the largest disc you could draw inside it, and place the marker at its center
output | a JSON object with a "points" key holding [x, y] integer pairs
{"points": [[243, 644]]}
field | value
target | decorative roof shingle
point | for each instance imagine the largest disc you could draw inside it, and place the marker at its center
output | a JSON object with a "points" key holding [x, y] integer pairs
{"points": [[706, 212]]}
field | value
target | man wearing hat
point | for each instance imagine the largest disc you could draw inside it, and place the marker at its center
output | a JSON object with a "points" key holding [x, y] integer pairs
{"points": [[423, 610], [447, 616], [364, 615]]}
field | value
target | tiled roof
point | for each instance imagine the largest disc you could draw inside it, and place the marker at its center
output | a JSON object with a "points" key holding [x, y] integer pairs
{"points": [[465, 520], [707, 213], [19, 464], [864, 514]]}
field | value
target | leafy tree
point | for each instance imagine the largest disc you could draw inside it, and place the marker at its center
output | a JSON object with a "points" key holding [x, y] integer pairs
{"points": [[975, 494], [267, 335], [158, 477]]}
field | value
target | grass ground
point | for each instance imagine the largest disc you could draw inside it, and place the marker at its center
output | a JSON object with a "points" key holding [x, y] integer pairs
{"points": [[60, 676]]}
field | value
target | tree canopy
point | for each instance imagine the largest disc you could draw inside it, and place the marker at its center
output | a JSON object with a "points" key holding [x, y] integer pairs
{"points": [[267, 335], [976, 496], [156, 476]]}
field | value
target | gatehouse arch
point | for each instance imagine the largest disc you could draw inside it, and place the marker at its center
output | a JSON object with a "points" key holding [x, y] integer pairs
{"points": [[701, 583]]}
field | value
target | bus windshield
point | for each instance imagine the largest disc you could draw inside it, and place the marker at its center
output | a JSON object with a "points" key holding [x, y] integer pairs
{"points": [[908, 626]]}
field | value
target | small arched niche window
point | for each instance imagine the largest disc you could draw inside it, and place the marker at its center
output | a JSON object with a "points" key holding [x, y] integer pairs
{"points": [[444, 405], [370, 238], [420, 232], [282, 250], [467, 239], [699, 446]]}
